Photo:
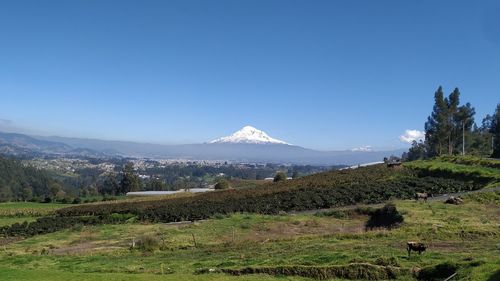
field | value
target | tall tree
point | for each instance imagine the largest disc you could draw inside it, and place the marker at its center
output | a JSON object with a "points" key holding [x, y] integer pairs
{"points": [[495, 126], [130, 181], [449, 126], [418, 150], [435, 127], [110, 185]]}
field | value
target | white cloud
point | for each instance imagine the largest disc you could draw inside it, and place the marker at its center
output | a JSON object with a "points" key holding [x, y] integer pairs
{"points": [[412, 135], [363, 148]]}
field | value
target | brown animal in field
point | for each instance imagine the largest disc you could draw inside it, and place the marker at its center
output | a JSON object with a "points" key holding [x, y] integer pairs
{"points": [[416, 247], [422, 195]]}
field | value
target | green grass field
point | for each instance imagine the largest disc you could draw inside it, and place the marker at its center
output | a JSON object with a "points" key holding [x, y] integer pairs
{"points": [[466, 237], [469, 167], [467, 232], [12, 212], [29, 205]]}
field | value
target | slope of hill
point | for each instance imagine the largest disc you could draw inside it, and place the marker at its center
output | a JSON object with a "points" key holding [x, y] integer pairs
{"points": [[480, 170], [127, 244], [20, 145], [18, 182]]}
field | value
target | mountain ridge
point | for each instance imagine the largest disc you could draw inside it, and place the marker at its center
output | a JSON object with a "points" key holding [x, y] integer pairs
{"points": [[235, 152]]}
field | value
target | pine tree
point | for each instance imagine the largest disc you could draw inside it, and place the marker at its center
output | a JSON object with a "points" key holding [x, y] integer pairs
{"points": [[435, 127], [448, 124], [452, 129], [496, 133]]}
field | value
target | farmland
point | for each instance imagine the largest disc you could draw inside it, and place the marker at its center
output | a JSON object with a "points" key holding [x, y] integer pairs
{"points": [[299, 244]]}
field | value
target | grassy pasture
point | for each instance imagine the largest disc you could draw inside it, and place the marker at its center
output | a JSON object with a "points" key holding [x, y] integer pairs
{"points": [[466, 235], [472, 168], [467, 232]]}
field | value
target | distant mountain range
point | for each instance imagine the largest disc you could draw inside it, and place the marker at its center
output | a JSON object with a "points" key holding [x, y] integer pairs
{"points": [[246, 145]]}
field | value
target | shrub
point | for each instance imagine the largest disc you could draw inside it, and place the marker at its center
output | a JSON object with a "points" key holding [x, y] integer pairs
{"points": [[222, 184], [148, 243], [77, 200], [438, 272], [387, 216], [280, 177]]}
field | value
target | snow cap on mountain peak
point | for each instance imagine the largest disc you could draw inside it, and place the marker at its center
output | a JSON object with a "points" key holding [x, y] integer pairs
{"points": [[251, 135]]}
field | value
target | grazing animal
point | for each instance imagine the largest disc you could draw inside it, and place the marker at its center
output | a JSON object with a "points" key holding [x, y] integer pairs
{"points": [[423, 195], [415, 246]]}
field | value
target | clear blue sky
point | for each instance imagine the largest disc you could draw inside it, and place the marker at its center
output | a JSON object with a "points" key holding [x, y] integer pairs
{"points": [[321, 74]]}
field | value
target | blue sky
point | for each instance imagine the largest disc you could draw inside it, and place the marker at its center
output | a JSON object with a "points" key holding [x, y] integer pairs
{"points": [[320, 74]]}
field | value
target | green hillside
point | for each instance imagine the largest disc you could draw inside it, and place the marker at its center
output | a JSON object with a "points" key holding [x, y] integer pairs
{"points": [[273, 231], [19, 182]]}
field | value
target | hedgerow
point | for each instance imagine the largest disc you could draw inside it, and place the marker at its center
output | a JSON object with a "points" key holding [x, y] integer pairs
{"points": [[54, 223]]}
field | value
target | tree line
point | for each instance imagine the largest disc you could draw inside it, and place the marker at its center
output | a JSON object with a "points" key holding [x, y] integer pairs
{"points": [[23, 183], [451, 129]]}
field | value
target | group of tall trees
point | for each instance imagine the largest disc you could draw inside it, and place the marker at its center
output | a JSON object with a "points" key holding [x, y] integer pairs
{"points": [[451, 130], [23, 183], [120, 184]]}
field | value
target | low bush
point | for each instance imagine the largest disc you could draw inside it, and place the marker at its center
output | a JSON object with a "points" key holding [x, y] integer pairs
{"points": [[437, 272], [222, 184], [387, 217], [148, 243]]}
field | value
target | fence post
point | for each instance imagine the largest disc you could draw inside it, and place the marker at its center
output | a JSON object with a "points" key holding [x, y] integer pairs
{"points": [[194, 240]]}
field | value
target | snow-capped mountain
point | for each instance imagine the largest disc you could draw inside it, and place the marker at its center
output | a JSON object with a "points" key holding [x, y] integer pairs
{"points": [[250, 135], [366, 148], [247, 145]]}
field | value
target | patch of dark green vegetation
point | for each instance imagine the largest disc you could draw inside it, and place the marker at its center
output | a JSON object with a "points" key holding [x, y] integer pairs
{"points": [[19, 182], [353, 271], [445, 270], [386, 217], [54, 223], [367, 185]]}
